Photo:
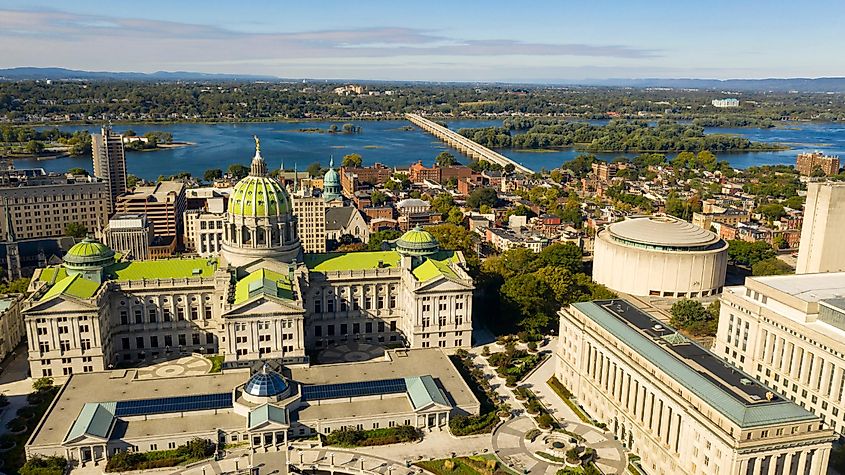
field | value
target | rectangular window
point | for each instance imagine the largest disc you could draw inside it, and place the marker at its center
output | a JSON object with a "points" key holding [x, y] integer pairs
{"points": [[183, 340], [139, 342], [168, 340], [369, 327], [124, 343], [152, 314], [344, 329], [153, 342]]}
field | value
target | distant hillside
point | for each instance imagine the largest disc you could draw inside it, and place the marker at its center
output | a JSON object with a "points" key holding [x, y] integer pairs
{"points": [[834, 84], [26, 73]]}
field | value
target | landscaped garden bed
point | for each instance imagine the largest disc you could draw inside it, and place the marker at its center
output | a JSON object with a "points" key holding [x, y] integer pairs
{"points": [[367, 438], [487, 418], [473, 465], [194, 451]]}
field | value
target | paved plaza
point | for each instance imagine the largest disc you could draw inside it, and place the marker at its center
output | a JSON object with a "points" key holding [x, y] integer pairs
{"points": [[185, 366]]}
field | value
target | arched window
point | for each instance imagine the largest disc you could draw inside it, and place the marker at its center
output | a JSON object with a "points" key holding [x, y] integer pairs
{"points": [[260, 236], [246, 236]]}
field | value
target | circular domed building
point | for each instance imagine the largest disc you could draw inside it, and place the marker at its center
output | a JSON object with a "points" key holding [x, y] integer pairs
{"points": [[417, 242], [266, 385], [260, 221], [660, 256], [88, 258]]}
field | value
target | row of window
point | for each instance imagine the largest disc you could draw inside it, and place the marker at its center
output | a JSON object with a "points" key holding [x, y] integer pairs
{"points": [[167, 341]]}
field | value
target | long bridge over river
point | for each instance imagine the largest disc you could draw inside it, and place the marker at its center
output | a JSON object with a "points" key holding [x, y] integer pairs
{"points": [[464, 145]]}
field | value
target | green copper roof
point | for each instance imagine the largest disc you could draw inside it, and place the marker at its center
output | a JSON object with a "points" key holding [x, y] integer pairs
{"points": [[331, 178], [418, 236], [339, 261], [95, 419], [744, 415], [52, 274], [423, 391], [162, 269], [74, 285], [263, 282], [89, 252], [259, 196], [417, 242], [435, 266]]}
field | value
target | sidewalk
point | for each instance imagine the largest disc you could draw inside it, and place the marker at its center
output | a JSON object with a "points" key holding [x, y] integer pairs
{"points": [[15, 384]]}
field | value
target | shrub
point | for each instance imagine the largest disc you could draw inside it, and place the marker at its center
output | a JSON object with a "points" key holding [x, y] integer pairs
{"points": [[38, 465], [532, 434], [471, 425], [4, 401], [532, 346], [42, 384], [367, 438], [510, 381], [449, 465], [572, 455], [545, 421]]}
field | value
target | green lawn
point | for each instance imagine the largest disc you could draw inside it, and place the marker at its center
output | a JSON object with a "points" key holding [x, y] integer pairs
{"points": [[216, 363]]}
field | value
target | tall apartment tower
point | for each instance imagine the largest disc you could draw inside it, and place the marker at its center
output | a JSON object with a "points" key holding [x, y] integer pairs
{"points": [[110, 162], [824, 225]]}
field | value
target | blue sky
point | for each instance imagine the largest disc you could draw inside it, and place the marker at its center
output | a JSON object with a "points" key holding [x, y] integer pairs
{"points": [[432, 40]]}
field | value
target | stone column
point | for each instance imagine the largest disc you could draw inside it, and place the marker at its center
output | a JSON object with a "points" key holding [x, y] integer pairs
{"points": [[758, 465], [802, 461]]}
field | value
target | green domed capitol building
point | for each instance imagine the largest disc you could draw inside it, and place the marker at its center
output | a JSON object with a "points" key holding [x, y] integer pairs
{"points": [[260, 299]]}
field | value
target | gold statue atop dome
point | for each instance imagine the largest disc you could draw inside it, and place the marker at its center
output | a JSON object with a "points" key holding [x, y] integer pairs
{"points": [[257, 144]]}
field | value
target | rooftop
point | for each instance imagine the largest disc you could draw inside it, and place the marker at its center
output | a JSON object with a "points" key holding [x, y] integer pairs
{"points": [[340, 261], [161, 191], [736, 395], [809, 288], [662, 231], [265, 282], [162, 269]]}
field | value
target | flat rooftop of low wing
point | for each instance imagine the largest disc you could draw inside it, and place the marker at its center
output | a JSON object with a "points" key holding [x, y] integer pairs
{"points": [[806, 287]]}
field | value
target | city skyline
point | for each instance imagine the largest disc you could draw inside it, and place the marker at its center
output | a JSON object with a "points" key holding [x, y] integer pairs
{"points": [[493, 41]]}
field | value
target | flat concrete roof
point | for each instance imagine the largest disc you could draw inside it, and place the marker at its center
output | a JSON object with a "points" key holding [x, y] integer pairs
{"points": [[807, 287], [396, 364], [119, 385], [662, 231]]}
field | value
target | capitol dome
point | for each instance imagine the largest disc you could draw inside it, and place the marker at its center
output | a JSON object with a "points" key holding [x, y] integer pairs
{"points": [[260, 223], [417, 242], [259, 196]]}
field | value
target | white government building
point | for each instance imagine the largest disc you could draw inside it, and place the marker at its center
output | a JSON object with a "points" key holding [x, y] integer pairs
{"points": [[682, 409], [261, 298], [789, 332], [660, 256]]}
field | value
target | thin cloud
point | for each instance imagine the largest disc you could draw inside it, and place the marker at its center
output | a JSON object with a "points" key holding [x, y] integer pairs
{"points": [[87, 38]]}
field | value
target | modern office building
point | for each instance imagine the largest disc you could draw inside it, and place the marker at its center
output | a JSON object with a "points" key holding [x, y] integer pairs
{"points": [[682, 409], [789, 332], [724, 103], [261, 298], [163, 204], [807, 163], [130, 234], [824, 224], [660, 256], [110, 163], [262, 410]]}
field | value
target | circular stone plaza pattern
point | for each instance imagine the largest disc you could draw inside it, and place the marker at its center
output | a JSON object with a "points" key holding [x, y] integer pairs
{"points": [[510, 445], [660, 256]]}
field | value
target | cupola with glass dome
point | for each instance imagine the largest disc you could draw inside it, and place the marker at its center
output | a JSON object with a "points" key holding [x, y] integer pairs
{"points": [[260, 222], [266, 385]]}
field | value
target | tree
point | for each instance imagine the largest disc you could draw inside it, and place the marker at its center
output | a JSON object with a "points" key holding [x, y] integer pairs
{"points": [[352, 160], [238, 171], [33, 147], [526, 295], [454, 238], [445, 159], [482, 196], [378, 198], [455, 216], [744, 253], [42, 384], [771, 266], [314, 170], [132, 180], [78, 171], [772, 211], [565, 255], [442, 203], [40, 465], [17, 286], [76, 230], [778, 242], [212, 174], [691, 316], [377, 238]]}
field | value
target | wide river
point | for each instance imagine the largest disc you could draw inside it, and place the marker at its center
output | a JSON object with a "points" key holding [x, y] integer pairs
{"points": [[219, 145]]}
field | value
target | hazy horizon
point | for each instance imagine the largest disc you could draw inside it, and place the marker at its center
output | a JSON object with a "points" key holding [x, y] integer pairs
{"points": [[473, 41]]}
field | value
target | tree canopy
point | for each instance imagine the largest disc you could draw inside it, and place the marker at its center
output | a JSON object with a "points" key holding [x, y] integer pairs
{"points": [[744, 253], [691, 316], [771, 266], [352, 160], [445, 159]]}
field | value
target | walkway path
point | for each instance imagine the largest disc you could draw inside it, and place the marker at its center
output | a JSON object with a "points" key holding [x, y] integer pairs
{"points": [[15, 384]]}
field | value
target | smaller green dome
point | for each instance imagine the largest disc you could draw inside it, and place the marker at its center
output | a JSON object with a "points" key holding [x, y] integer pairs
{"points": [[417, 242], [331, 178], [88, 251]]}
